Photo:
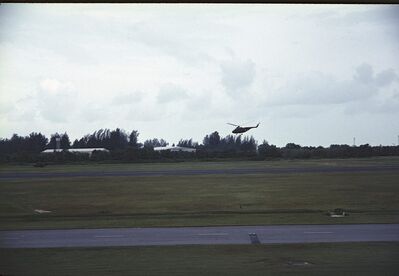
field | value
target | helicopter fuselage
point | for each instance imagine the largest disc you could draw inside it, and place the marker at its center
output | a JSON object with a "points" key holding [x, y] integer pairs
{"points": [[241, 129]]}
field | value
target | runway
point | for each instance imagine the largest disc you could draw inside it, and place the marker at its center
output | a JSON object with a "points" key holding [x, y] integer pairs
{"points": [[181, 172], [275, 234]]}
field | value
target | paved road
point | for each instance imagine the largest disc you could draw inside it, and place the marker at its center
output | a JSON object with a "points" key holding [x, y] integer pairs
{"points": [[326, 169], [199, 235]]}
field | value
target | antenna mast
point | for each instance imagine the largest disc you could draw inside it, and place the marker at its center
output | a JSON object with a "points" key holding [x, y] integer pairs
{"points": [[57, 143]]}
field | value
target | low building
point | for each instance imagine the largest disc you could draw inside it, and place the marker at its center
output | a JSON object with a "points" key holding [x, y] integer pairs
{"points": [[175, 148], [88, 151]]}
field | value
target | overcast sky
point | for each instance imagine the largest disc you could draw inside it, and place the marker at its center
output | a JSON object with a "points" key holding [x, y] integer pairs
{"points": [[310, 74]]}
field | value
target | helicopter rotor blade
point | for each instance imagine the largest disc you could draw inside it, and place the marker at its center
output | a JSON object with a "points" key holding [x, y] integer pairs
{"points": [[232, 124]]}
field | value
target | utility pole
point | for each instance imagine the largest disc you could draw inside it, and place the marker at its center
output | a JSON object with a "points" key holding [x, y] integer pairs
{"points": [[354, 141]]}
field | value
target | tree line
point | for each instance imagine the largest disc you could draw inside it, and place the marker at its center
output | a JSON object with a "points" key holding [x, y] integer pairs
{"points": [[125, 146]]}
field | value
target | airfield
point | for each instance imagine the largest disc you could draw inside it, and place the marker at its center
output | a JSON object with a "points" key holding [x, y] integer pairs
{"points": [[204, 196]]}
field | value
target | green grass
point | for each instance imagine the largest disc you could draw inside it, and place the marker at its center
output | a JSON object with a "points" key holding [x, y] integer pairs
{"points": [[198, 200], [322, 259], [370, 197]]}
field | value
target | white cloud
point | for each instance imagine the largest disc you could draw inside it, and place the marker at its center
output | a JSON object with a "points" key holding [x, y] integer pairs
{"points": [[56, 100], [364, 73], [386, 77], [237, 75], [321, 88], [171, 93], [127, 99], [24, 110], [53, 86], [93, 113], [5, 107]]}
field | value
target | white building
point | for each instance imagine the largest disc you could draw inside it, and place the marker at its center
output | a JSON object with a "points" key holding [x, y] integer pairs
{"points": [[81, 150], [171, 148]]}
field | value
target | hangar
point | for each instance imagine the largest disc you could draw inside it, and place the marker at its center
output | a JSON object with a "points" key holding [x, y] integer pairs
{"points": [[175, 148], [80, 150]]}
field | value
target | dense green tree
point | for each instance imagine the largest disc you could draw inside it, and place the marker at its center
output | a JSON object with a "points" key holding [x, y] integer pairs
{"points": [[187, 143], [212, 140], [125, 147], [268, 151], [37, 142], [118, 139], [292, 146], [152, 143], [133, 139], [65, 143]]}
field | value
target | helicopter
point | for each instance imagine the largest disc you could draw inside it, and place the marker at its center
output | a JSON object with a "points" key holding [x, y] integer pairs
{"points": [[240, 129]]}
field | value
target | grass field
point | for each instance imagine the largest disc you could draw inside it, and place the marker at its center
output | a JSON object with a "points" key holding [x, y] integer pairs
{"points": [[195, 200], [299, 259]]}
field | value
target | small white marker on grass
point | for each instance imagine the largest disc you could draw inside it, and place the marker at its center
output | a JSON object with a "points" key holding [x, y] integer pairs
{"points": [[38, 211], [213, 234], [113, 236], [317, 232]]}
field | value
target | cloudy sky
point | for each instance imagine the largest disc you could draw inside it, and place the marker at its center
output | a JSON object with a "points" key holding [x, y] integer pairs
{"points": [[311, 74]]}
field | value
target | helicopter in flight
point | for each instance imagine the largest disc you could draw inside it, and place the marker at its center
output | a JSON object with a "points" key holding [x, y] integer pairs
{"points": [[240, 129]]}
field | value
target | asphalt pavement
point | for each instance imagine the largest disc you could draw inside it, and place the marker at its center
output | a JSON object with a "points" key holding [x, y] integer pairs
{"points": [[180, 172], [274, 234]]}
